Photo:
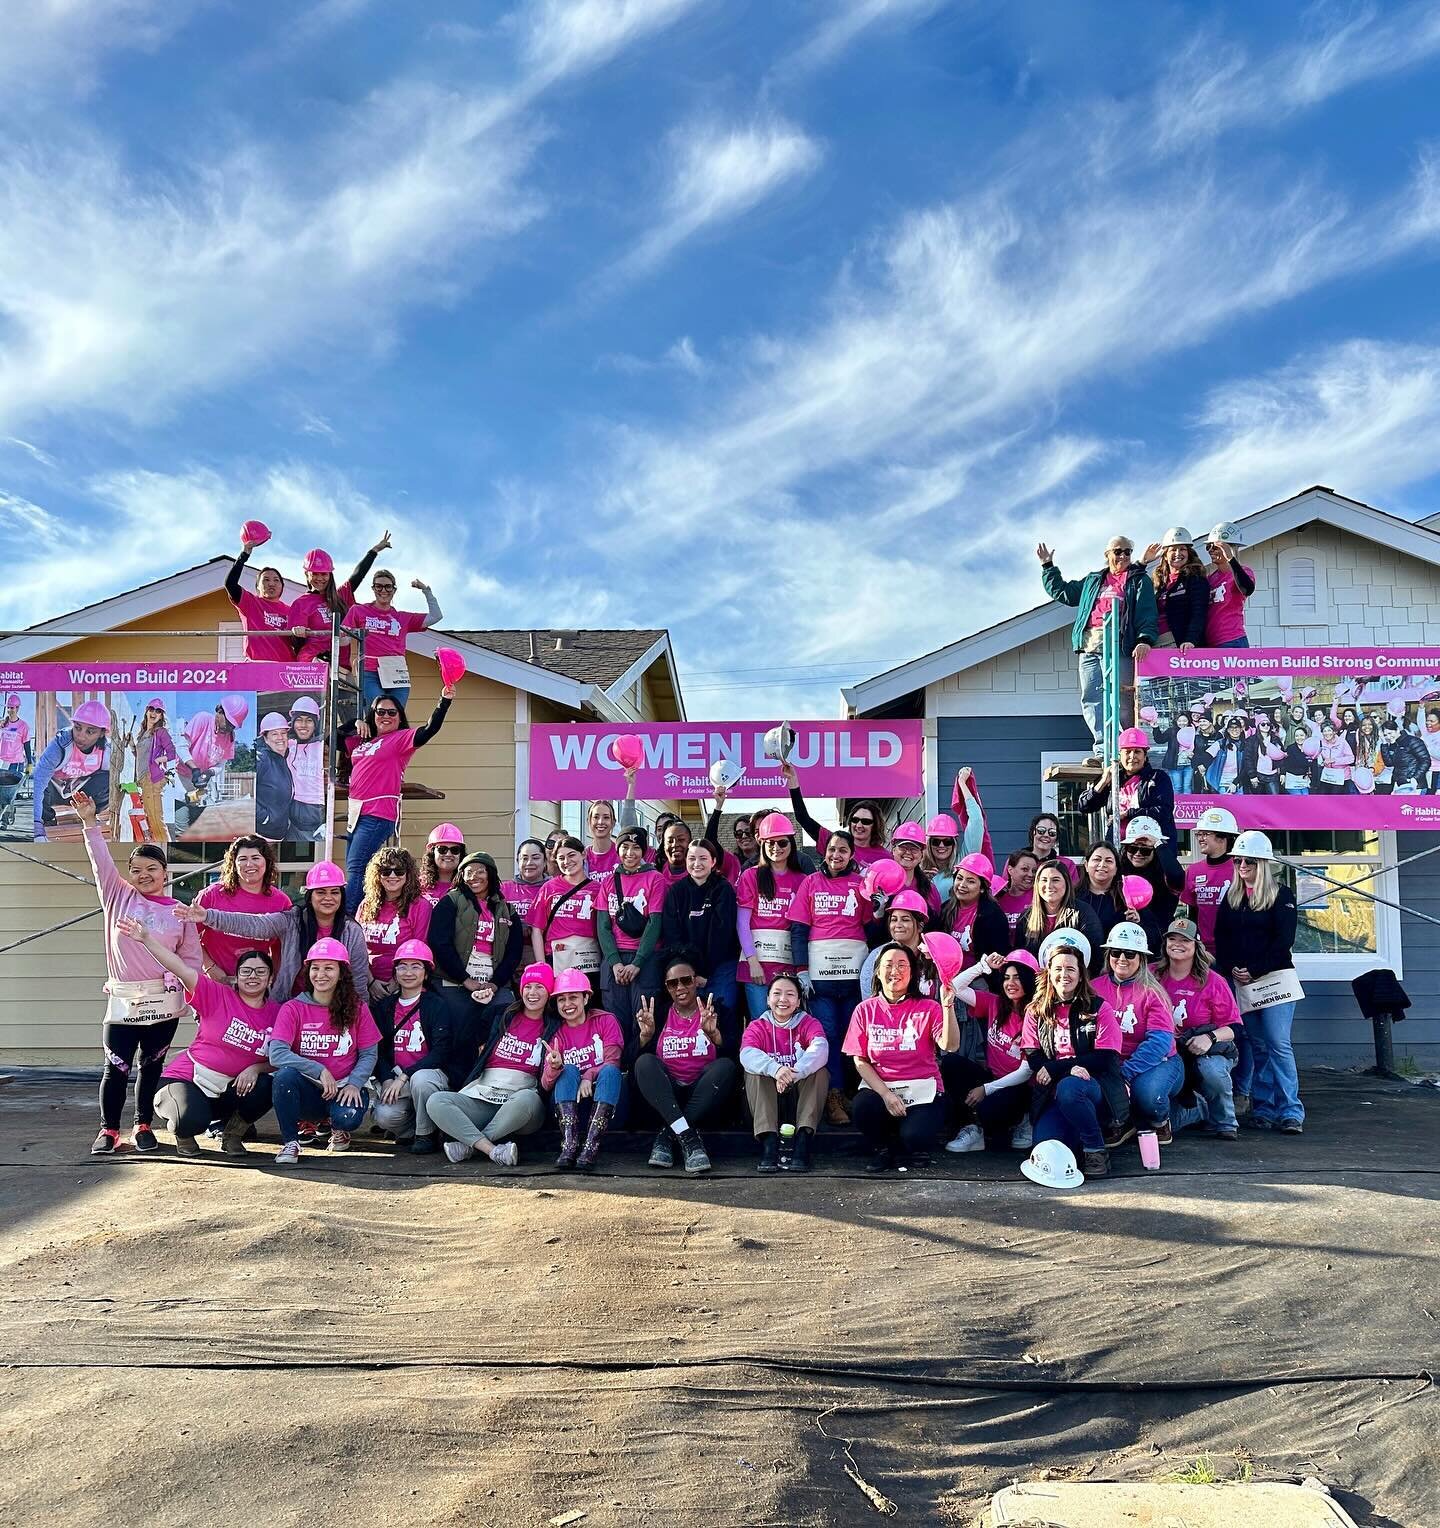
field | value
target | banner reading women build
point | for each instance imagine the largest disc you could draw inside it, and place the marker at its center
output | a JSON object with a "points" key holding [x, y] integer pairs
{"points": [[1312, 737], [165, 750], [574, 761]]}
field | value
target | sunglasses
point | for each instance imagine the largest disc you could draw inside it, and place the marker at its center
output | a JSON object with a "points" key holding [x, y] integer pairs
{"points": [[1141, 848], [445, 849], [862, 822], [386, 711], [389, 872], [679, 981], [744, 832], [1240, 859], [1119, 551], [1042, 833], [1124, 955]]}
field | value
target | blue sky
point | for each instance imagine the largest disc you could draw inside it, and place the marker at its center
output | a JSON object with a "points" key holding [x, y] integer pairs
{"points": [[790, 325]]}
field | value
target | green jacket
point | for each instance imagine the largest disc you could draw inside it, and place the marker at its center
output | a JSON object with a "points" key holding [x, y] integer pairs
{"points": [[1139, 619]]}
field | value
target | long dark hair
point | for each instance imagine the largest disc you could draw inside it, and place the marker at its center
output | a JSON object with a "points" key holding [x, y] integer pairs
{"points": [[401, 725], [1026, 978], [849, 838], [344, 1002], [310, 924], [912, 989], [765, 872], [1114, 892]]}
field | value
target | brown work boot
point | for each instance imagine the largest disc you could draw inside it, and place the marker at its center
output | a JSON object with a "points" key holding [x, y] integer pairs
{"points": [[837, 1110]]}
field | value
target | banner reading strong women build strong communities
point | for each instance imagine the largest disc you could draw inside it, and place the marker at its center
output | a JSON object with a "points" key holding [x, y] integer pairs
{"points": [[1314, 737]]}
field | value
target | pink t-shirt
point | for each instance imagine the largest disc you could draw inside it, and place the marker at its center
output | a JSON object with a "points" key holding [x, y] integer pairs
{"points": [[484, 930], [684, 1048], [1201, 1005], [1111, 589], [1140, 1011], [312, 611], [834, 909], [522, 896], [208, 746], [13, 738], [602, 864], [267, 628], [1003, 1052], [591, 1043], [385, 630], [437, 893], [1225, 620], [1107, 1031], [225, 949], [307, 771], [230, 1034], [1016, 906], [785, 1045], [768, 912], [377, 771], [644, 890], [411, 1046], [388, 930], [305, 1027], [964, 930], [900, 1040], [865, 854], [575, 920], [1205, 888], [520, 1048]]}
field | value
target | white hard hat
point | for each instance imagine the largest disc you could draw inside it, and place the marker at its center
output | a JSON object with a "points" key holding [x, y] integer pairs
{"points": [[779, 741], [1052, 1165], [1253, 844], [1143, 827], [1177, 535], [1130, 937], [1215, 819], [1064, 939], [726, 772], [1228, 532]]}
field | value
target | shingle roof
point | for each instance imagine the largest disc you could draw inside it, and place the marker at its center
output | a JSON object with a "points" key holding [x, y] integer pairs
{"points": [[589, 657]]}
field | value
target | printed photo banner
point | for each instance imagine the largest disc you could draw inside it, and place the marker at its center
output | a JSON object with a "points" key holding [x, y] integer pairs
{"points": [[1296, 738], [574, 762], [166, 750]]}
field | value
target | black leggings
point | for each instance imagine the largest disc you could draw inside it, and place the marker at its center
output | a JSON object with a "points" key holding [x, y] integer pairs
{"points": [[918, 1129], [670, 1099], [188, 1110], [122, 1042]]}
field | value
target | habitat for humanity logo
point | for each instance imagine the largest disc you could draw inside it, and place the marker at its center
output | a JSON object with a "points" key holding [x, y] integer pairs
{"points": [[12, 678], [1426, 810]]}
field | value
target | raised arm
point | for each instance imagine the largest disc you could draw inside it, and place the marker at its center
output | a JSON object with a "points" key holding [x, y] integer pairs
{"points": [[424, 733]]}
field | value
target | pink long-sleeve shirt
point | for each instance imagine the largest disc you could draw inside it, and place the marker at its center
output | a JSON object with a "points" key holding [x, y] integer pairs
{"points": [[127, 960]]}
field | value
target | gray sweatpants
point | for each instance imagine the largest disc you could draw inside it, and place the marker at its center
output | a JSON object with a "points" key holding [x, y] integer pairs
{"points": [[466, 1119], [409, 1115]]}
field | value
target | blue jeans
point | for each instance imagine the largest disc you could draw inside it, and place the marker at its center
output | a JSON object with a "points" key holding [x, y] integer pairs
{"points": [[295, 1097], [1242, 1074], [1092, 695], [1238, 642], [1073, 1116], [371, 690], [620, 1000], [1180, 780], [608, 1081], [1151, 1092], [1215, 1089], [1275, 1090], [723, 985], [368, 836], [757, 999], [831, 1004]]}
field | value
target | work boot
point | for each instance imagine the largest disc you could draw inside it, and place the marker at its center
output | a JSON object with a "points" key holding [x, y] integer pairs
{"points": [[232, 1141], [837, 1111], [662, 1153], [800, 1158], [186, 1146], [1096, 1164], [600, 1117], [769, 1153], [1116, 1135], [696, 1159], [569, 1115], [423, 1145]]}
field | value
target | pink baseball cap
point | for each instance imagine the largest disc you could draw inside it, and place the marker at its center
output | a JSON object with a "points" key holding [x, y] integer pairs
{"points": [[91, 713], [571, 981], [445, 833], [908, 833], [943, 826], [155, 703], [415, 949], [907, 901], [1135, 737], [324, 874], [328, 949], [539, 972], [319, 561]]}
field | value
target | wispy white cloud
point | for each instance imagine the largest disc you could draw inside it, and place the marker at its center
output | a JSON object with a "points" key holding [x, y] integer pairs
{"points": [[42, 458], [717, 173], [681, 356], [568, 37], [57, 45], [848, 20]]}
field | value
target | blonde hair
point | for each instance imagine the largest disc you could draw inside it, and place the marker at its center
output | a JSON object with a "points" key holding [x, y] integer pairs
{"points": [[1267, 887], [1203, 964]]}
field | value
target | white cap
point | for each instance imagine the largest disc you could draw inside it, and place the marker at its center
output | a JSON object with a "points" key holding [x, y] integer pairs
{"points": [[1128, 936], [1143, 827], [1215, 819], [1052, 1165], [1253, 844]]}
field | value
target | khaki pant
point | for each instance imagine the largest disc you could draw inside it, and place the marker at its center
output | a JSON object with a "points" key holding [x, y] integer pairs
{"points": [[152, 793], [764, 1101], [409, 1115]]}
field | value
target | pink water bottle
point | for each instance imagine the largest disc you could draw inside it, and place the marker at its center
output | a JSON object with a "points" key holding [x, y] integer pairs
{"points": [[1149, 1150]]}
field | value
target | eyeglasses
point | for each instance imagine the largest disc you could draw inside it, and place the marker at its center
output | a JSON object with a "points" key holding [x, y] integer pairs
{"points": [[1121, 551], [906, 847], [383, 588], [679, 981]]}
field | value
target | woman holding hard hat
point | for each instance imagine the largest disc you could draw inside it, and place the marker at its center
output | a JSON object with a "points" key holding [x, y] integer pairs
{"points": [[267, 619], [1071, 1040], [145, 1002], [1152, 1070], [970, 913], [1207, 1022], [628, 926], [763, 900], [905, 920], [1182, 597], [1255, 937], [1144, 854], [864, 822], [323, 1048], [996, 1104], [306, 759], [1231, 584], [896, 1039]]}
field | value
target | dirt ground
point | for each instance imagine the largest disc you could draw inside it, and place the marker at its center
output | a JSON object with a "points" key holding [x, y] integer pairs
{"points": [[373, 1339]]}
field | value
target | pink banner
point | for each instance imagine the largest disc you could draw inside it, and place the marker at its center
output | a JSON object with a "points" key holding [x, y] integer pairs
{"points": [[574, 762], [1297, 738]]}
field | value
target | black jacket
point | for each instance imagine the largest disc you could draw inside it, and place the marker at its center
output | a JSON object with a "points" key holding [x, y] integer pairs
{"points": [[1103, 1066], [1258, 942], [437, 1025], [441, 939], [1186, 605], [274, 791], [702, 919], [493, 1036], [1408, 759], [1155, 797], [1086, 923], [989, 934]]}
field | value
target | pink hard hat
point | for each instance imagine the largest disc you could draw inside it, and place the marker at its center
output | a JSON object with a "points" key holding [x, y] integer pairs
{"points": [[945, 951], [415, 949], [571, 981], [979, 865], [908, 901], [319, 561], [943, 826], [91, 713], [1022, 958], [236, 709], [272, 721], [998, 883], [1134, 737], [908, 833], [324, 874], [304, 705], [328, 949], [538, 972], [451, 663], [13, 700], [884, 876], [445, 833], [627, 750], [1137, 891], [256, 532], [774, 825]]}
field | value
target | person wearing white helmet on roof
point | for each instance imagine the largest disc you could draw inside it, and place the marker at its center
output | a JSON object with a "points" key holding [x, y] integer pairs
{"points": [[1133, 787], [1071, 1041], [1231, 584], [77, 758], [1208, 877], [274, 787], [1121, 580], [1182, 596], [305, 756], [762, 915], [1255, 937], [1149, 1063], [311, 611]]}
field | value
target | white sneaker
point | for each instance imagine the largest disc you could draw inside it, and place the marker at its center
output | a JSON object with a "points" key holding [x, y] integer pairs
{"points": [[288, 1155], [1022, 1137], [971, 1138], [506, 1154], [458, 1151]]}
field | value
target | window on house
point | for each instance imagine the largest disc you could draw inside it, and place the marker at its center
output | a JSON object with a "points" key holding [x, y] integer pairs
{"points": [[1059, 797], [232, 642], [1304, 592]]}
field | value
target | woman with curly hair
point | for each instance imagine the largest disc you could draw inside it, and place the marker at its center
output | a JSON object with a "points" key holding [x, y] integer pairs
{"points": [[392, 911], [323, 1048], [247, 885], [440, 866]]}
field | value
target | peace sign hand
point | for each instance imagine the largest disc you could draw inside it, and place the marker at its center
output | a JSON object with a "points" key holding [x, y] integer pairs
{"points": [[710, 1021], [645, 1019], [554, 1056]]}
